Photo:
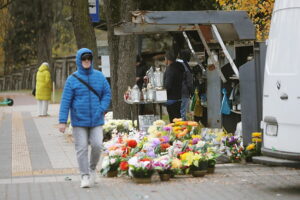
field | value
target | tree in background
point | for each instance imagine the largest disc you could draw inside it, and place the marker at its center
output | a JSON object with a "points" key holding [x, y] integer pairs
{"points": [[20, 35], [122, 52], [83, 29], [64, 41], [34, 30], [258, 10], [4, 24]]}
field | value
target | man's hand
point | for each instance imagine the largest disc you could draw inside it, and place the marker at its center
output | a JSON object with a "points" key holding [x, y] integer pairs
{"points": [[62, 127]]}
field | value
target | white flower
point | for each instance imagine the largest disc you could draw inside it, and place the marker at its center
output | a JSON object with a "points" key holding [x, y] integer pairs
{"points": [[112, 160], [105, 162], [200, 144], [133, 161], [159, 123]]}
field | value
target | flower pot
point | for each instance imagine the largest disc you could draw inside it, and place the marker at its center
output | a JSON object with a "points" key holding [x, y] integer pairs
{"points": [[211, 170], [243, 161], [199, 173], [112, 173], [142, 180], [249, 159], [164, 177]]}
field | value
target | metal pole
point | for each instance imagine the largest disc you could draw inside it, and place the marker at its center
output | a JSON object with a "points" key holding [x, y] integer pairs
{"points": [[215, 62], [236, 71], [192, 50]]}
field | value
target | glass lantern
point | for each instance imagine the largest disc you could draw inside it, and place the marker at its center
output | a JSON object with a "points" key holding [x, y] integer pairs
{"points": [[158, 78], [135, 94], [150, 75], [150, 92]]}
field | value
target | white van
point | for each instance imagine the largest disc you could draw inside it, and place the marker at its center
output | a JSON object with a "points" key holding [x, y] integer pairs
{"points": [[281, 94]]}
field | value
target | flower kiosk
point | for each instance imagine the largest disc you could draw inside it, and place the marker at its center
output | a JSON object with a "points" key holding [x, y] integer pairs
{"points": [[153, 94]]}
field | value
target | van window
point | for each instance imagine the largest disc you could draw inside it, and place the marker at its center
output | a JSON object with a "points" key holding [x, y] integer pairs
{"points": [[283, 54]]}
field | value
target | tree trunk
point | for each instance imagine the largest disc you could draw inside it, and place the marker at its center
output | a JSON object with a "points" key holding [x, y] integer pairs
{"points": [[122, 53], [44, 35], [83, 29]]}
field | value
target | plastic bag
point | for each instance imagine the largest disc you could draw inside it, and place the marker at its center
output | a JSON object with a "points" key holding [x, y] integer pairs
{"points": [[225, 108], [194, 99]]}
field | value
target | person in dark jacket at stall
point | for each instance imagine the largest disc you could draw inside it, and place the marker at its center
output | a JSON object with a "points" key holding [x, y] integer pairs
{"points": [[141, 69], [87, 109], [173, 78], [187, 83]]}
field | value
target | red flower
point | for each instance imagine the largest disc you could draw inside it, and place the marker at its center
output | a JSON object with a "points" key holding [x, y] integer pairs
{"points": [[120, 140], [125, 149], [145, 159], [131, 143], [165, 145], [124, 166]]}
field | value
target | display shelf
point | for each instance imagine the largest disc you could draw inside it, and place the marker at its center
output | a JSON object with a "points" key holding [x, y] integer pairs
{"points": [[236, 112]]}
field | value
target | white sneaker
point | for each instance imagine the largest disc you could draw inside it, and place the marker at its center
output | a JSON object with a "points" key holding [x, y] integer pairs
{"points": [[85, 183], [93, 177]]}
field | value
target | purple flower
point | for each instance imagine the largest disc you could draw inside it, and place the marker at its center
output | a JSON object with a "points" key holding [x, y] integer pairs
{"points": [[151, 154], [232, 140], [167, 128], [195, 140], [166, 139], [155, 142]]}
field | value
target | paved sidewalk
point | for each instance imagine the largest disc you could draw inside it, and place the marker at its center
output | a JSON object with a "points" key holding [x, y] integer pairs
{"points": [[38, 162]]}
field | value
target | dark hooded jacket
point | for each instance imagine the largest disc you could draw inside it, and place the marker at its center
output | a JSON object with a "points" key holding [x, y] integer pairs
{"points": [[173, 77], [87, 110]]}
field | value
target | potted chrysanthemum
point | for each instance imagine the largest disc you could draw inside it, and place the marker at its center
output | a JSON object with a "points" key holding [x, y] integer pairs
{"points": [[110, 165], [196, 162], [163, 166], [141, 169]]}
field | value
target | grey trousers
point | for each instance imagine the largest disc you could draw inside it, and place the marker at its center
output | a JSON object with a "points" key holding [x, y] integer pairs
{"points": [[84, 136]]}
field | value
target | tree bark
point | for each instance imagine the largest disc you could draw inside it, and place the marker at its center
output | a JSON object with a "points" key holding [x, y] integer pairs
{"points": [[44, 34], [83, 29], [122, 53]]}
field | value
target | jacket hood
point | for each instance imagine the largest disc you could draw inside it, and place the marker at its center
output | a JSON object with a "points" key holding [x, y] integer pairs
{"points": [[43, 67], [79, 64]]}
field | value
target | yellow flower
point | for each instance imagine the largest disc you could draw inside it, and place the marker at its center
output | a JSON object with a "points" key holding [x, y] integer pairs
{"points": [[256, 134], [176, 163], [256, 140], [220, 135], [187, 157], [177, 129], [180, 123], [250, 147], [196, 136]]}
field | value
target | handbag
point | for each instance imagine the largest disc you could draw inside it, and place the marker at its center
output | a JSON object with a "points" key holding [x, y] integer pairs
{"points": [[88, 86], [33, 91]]}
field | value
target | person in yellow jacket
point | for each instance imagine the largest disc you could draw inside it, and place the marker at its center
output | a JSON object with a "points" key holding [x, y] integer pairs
{"points": [[43, 89]]}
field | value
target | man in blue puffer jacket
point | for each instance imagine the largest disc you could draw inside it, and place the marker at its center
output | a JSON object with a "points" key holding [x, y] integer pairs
{"points": [[87, 113]]}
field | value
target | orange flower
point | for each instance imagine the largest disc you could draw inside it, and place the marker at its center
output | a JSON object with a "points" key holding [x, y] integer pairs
{"points": [[162, 139], [191, 123], [131, 143], [177, 119], [124, 166], [182, 134]]}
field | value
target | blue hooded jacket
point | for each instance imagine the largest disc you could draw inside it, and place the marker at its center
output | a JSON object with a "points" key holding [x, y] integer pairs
{"points": [[87, 110]]}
